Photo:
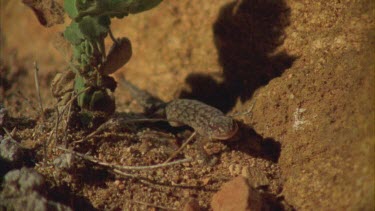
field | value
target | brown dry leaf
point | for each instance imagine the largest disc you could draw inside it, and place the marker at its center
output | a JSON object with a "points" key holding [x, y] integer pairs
{"points": [[119, 54], [48, 12]]}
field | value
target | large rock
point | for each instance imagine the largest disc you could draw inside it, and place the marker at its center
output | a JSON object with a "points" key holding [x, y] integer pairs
{"points": [[237, 195]]}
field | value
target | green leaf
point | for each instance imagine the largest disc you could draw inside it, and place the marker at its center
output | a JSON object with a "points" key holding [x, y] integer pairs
{"points": [[113, 8], [94, 28], [79, 85], [73, 33], [70, 8], [143, 5]]}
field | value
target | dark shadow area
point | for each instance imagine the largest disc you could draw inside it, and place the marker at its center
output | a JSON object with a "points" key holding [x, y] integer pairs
{"points": [[247, 34], [10, 74], [255, 145], [274, 202], [65, 195], [22, 158], [21, 123]]}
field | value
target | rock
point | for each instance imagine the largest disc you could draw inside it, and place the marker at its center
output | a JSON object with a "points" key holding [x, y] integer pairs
{"points": [[23, 180], [237, 195], [31, 202], [65, 161], [256, 177], [35, 201], [191, 205], [22, 189], [10, 151]]}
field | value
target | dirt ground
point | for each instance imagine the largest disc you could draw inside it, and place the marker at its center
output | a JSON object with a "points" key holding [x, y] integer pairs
{"points": [[306, 66]]}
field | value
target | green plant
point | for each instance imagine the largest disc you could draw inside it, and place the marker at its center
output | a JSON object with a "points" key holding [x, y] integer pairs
{"points": [[90, 25]]}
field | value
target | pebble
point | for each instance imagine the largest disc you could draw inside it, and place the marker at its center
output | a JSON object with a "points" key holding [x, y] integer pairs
{"points": [[117, 183], [237, 195], [255, 177], [206, 181], [10, 151], [65, 161], [235, 169], [191, 205]]}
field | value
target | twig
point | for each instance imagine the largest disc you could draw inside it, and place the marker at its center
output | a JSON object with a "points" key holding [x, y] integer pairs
{"points": [[65, 140], [57, 124], [46, 145], [48, 142], [181, 148], [112, 37], [19, 93], [141, 179], [11, 137], [151, 205], [36, 77], [73, 98], [69, 103], [155, 184], [107, 123], [144, 120], [13, 132], [236, 7], [101, 128], [114, 166]]}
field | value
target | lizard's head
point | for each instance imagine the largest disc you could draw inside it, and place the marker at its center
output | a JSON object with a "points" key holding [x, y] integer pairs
{"points": [[222, 128]]}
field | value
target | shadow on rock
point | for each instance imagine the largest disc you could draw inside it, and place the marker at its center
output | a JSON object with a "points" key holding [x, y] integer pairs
{"points": [[255, 145], [247, 34]]}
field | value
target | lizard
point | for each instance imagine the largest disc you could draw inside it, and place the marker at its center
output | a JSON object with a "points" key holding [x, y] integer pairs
{"points": [[208, 122]]}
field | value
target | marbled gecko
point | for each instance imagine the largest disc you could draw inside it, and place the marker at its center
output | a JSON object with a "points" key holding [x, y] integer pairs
{"points": [[207, 121]]}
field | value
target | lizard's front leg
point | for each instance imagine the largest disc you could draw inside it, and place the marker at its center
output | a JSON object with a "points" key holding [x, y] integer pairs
{"points": [[203, 156]]}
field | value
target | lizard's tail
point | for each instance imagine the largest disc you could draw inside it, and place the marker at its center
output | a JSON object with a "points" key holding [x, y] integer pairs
{"points": [[151, 104]]}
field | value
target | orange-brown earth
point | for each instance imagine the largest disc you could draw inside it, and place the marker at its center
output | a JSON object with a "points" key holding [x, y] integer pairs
{"points": [[308, 66]]}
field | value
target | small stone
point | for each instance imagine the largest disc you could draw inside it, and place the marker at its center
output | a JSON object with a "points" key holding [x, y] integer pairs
{"points": [[212, 148], [100, 156], [234, 169], [117, 183], [255, 177], [205, 181], [237, 195], [65, 161], [10, 151], [121, 186], [192, 205]]}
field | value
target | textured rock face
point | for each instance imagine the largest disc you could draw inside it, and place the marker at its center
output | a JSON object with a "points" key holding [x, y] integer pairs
{"points": [[237, 195], [321, 109]]}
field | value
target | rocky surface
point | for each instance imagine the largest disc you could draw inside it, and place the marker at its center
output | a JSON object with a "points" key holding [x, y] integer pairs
{"points": [[308, 65]]}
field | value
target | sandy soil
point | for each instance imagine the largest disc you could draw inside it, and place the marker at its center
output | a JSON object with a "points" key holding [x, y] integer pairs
{"points": [[306, 66]]}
